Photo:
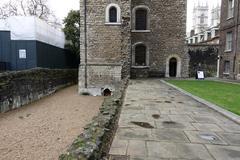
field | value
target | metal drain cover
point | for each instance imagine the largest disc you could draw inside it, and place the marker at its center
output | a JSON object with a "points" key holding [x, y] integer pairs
{"points": [[208, 137]]}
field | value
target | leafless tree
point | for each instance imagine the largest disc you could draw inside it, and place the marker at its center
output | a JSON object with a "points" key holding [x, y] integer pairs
{"points": [[38, 8], [8, 9]]}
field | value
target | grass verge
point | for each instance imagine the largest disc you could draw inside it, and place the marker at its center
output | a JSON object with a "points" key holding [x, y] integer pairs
{"points": [[226, 95]]}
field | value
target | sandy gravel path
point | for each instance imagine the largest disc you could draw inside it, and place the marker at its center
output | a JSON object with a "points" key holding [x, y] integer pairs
{"points": [[43, 130]]}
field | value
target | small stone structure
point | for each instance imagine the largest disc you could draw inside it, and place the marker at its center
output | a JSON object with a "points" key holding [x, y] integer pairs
{"points": [[23, 87], [120, 38]]}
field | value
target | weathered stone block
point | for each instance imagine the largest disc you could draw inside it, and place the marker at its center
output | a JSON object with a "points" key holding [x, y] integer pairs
{"points": [[23, 87]]}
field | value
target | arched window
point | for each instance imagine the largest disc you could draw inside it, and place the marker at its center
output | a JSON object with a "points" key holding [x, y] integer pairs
{"points": [[113, 14], [141, 19], [140, 55]]}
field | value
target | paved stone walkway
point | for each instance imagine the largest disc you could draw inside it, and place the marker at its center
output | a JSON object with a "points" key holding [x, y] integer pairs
{"points": [[158, 122]]}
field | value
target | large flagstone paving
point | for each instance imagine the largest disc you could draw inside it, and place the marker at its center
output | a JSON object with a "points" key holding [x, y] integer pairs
{"points": [[158, 122]]}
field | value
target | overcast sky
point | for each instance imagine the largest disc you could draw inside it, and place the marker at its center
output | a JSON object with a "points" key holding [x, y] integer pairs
{"points": [[62, 7]]}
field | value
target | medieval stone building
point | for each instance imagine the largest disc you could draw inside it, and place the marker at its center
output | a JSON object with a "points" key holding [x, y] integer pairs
{"points": [[230, 39], [141, 38]]}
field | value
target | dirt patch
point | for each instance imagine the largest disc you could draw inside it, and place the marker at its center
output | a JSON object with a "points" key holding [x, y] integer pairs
{"points": [[172, 124], [143, 125], [169, 122], [168, 102], [45, 129], [156, 116]]}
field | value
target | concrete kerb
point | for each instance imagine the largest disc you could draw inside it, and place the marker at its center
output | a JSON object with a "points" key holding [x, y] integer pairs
{"points": [[226, 81], [215, 107]]}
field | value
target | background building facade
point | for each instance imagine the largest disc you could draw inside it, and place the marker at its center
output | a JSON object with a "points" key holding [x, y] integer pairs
{"points": [[200, 17], [215, 15], [230, 39], [203, 31]]}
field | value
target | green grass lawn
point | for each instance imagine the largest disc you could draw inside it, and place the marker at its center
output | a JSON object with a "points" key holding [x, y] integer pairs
{"points": [[223, 94]]}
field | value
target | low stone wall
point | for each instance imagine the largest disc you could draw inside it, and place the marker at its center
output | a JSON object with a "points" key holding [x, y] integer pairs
{"points": [[139, 73], [23, 87], [94, 143]]}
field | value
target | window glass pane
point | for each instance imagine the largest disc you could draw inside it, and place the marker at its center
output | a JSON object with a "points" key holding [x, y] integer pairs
{"points": [[141, 19], [113, 15], [238, 67], [140, 55], [230, 8], [229, 41], [202, 19], [196, 40], [209, 35], [227, 66]]}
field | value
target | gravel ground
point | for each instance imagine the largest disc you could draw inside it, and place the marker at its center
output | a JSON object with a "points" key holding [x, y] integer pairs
{"points": [[45, 129]]}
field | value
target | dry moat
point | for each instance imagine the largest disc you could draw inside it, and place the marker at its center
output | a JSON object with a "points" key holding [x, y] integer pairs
{"points": [[45, 129]]}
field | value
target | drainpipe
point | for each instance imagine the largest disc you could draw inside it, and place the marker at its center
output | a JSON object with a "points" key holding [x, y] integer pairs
{"points": [[85, 42], [218, 66], [236, 41]]}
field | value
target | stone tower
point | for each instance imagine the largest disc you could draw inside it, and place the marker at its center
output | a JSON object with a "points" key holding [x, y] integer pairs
{"points": [[137, 38], [200, 16], [104, 45]]}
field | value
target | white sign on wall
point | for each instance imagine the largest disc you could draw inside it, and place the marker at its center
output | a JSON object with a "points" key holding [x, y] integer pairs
{"points": [[22, 53], [200, 75]]}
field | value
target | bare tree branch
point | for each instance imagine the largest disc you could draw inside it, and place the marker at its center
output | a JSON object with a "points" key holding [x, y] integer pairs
{"points": [[23, 8], [38, 8]]}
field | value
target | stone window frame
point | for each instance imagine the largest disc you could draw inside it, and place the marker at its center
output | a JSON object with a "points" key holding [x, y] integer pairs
{"points": [[107, 11], [134, 18], [134, 54], [226, 67], [229, 41], [179, 65]]}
